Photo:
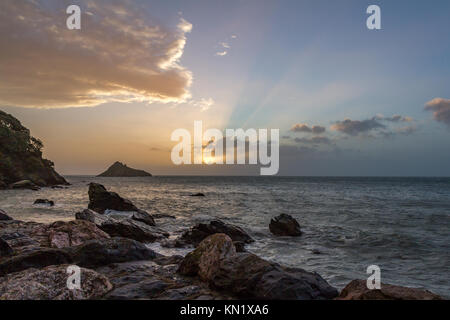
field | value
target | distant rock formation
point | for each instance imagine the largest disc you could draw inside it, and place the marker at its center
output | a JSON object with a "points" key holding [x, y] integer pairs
{"points": [[21, 157], [119, 169]]}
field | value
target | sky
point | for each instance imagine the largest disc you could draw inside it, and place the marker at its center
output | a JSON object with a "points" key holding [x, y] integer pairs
{"points": [[348, 101]]}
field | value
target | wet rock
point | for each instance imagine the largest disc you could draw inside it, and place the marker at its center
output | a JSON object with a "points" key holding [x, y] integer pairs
{"points": [[24, 184], [246, 276], [201, 231], [198, 194], [100, 200], [44, 201], [4, 216], [144, 217], [147, 288], [168, 260], [40, 258], [73, 233], [23, 236], [357, 290], [50, 283], [125, 227], [96, 253], [206, 259], [5, 249], [284, 225]]}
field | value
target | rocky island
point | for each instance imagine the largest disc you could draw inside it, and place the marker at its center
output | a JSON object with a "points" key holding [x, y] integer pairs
{"points": [[21, 161], [119, 169]]}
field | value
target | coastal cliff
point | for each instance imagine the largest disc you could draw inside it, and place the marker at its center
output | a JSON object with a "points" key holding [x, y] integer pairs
{"points": [[119, 169], [21, 157]]}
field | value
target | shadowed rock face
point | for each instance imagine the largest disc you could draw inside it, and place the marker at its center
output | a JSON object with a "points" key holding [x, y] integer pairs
{"points": [[284, 225], [22, 157], [357, 290], [119, 169], [247, 276], [50, 283]]}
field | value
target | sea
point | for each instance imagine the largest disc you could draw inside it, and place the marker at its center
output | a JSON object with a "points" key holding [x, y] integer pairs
{"points": [[402, 225]]}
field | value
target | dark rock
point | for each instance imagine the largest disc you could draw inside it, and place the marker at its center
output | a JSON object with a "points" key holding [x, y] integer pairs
{"points": [[73, 233], [24, 184], [4, 216], [119, 169], [5, 249], [35, 259], [167, 260], [148, 288], [357, 290], [50, 283], [96, 253], [44, 201], [23, 236], [125, 227], [100, 200], [199, 194], [247, 276], [201, 231], [284, 225]]}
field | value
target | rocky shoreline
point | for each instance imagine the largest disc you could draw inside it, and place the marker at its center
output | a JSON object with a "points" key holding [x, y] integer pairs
{"points": [[107, 241]]}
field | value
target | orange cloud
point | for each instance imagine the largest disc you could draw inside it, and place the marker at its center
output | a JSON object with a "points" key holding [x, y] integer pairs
{"points": [[118, 55]]}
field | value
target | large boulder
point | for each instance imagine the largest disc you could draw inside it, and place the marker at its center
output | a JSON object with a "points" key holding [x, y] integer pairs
{"points": [[123, 226], [201, 231], [4, 216], [206, 259], [5, 249], [284, 225], [73, 233], [357, 290], [100, 200], [96, 253], [50, 283], [246, 276]]}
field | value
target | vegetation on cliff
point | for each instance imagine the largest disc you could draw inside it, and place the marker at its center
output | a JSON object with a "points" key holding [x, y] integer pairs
{"points": [[21, 156]]}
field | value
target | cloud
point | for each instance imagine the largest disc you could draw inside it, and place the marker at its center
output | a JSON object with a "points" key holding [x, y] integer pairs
{"points": [[314, 140], [355, 127], [440, 108], [120, 54], [301, 127], [203, 104], [224, 47], [394, 118]]}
